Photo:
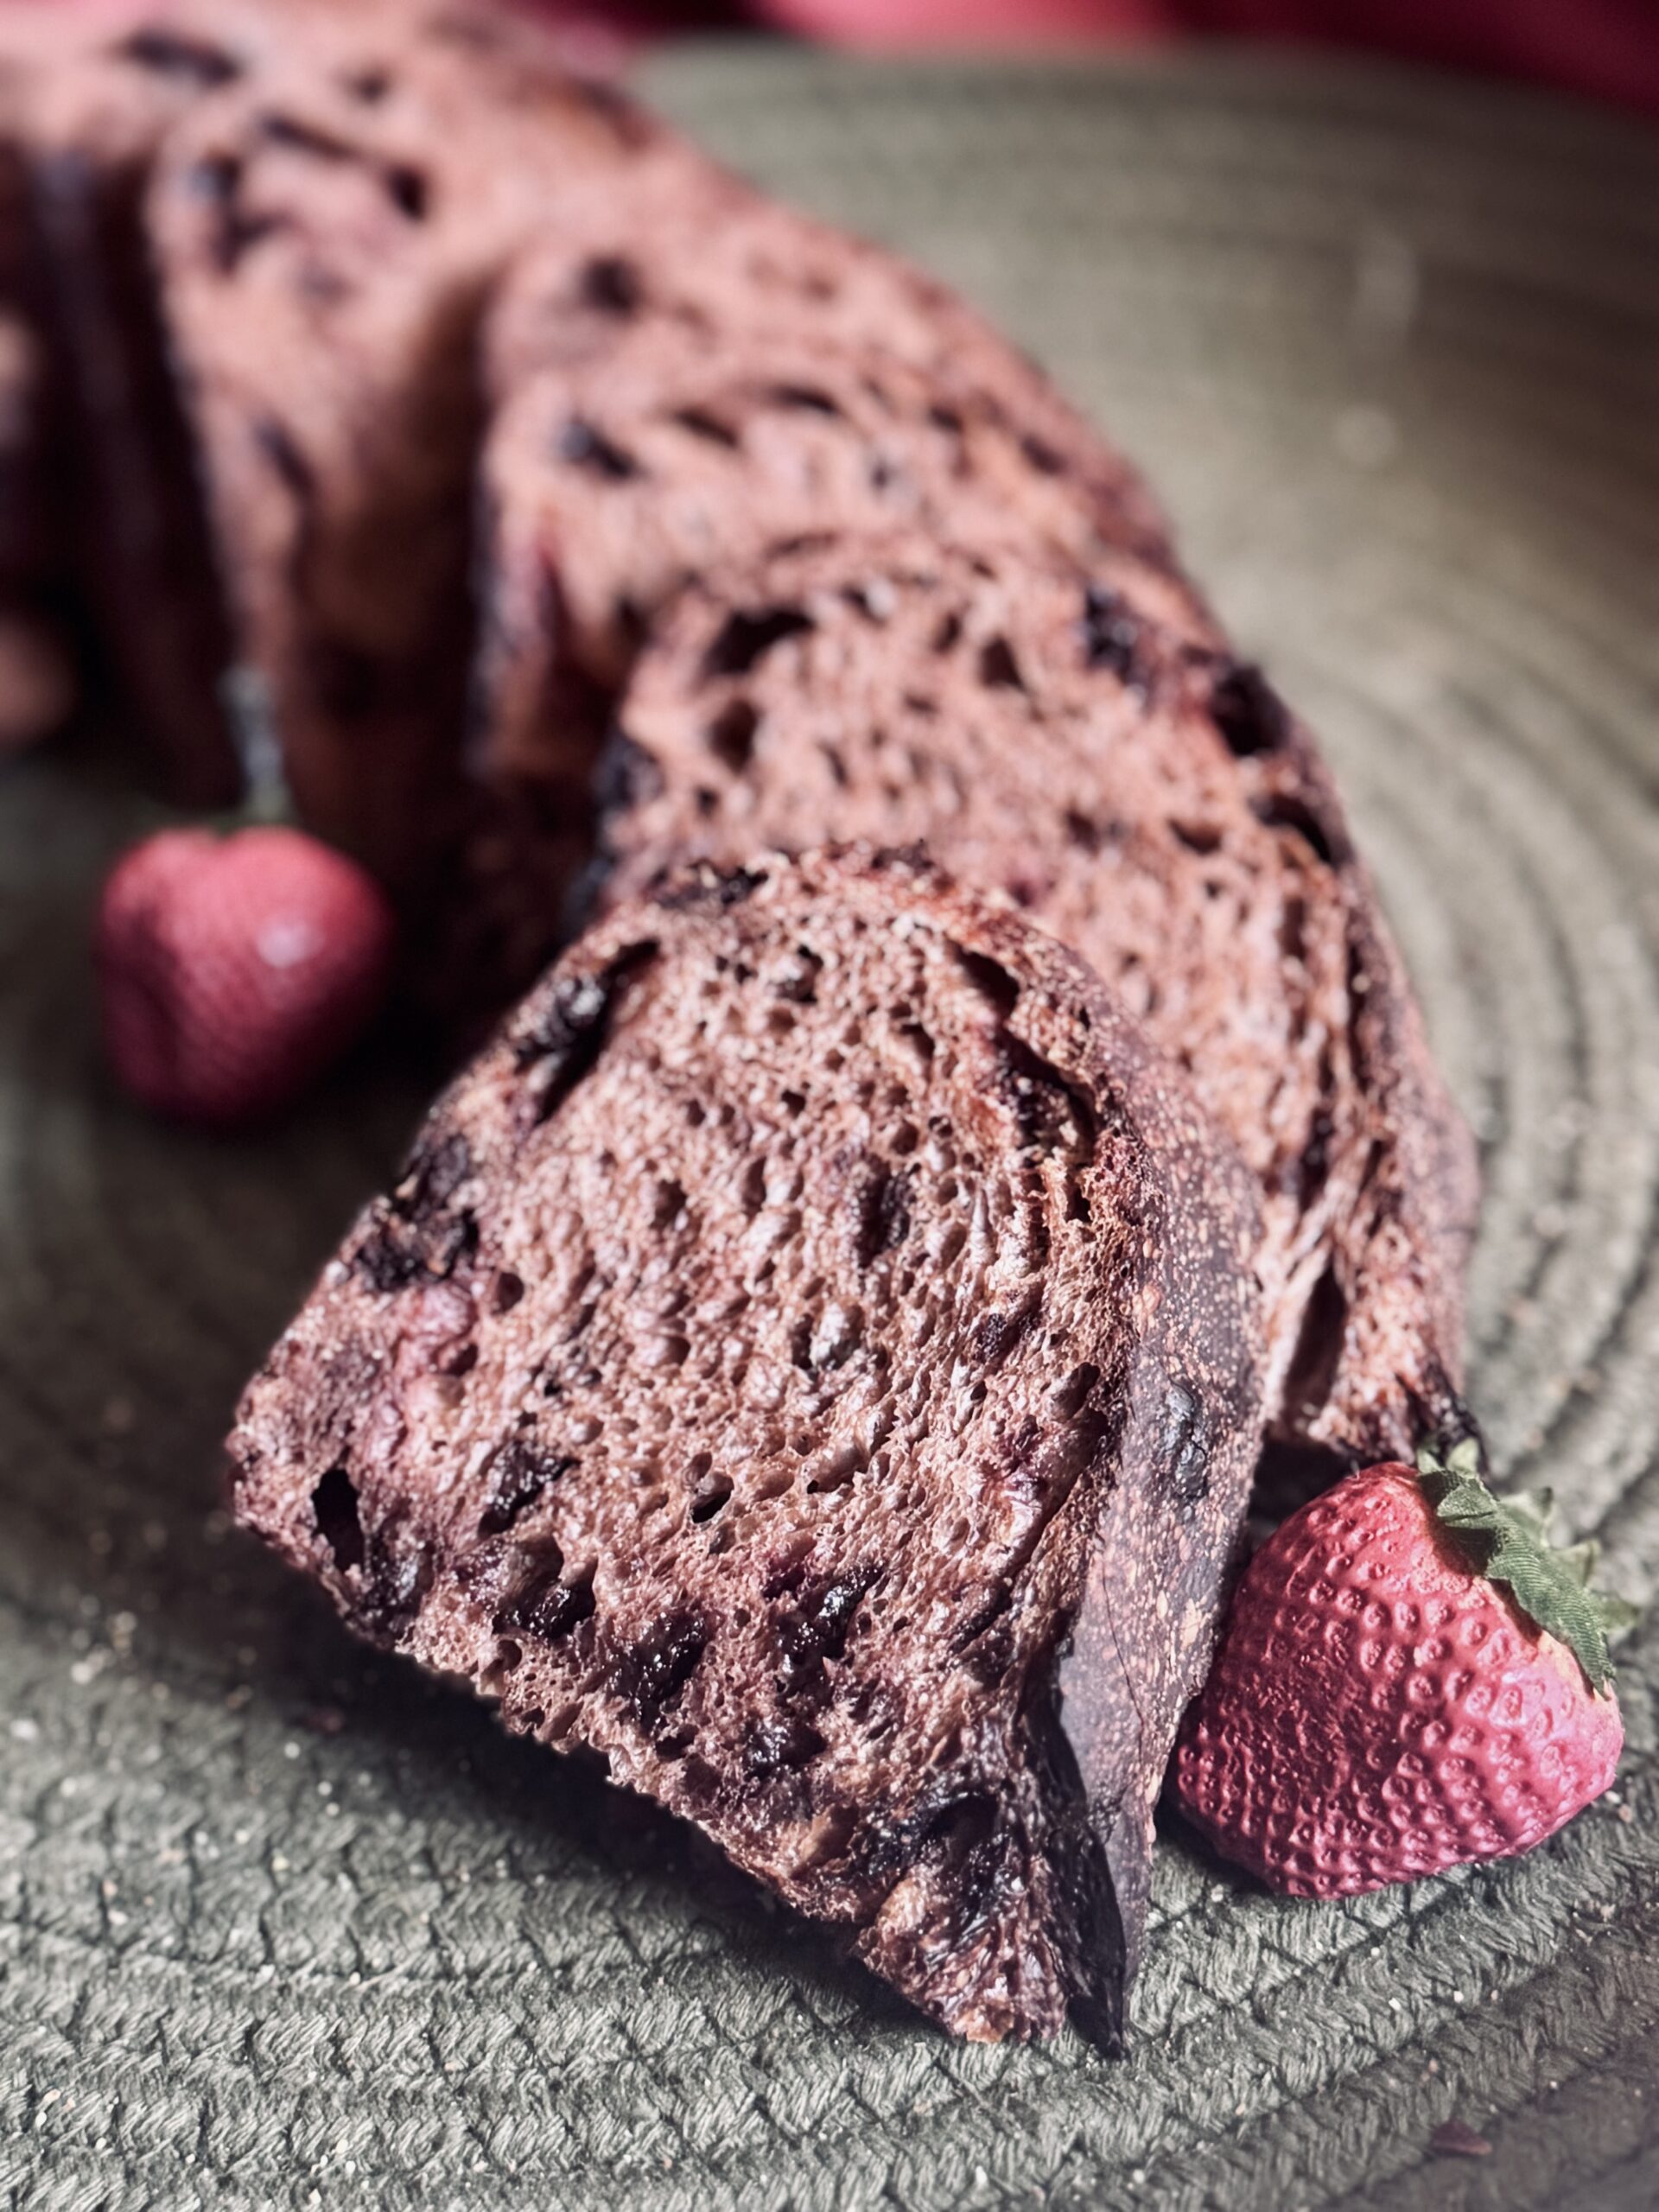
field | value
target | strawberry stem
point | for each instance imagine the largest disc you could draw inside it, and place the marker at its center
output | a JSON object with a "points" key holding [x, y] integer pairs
{"points": [[1506, 1539]]}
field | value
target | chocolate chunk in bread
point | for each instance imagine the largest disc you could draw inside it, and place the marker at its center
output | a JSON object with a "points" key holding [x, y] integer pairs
{"points": [[1084, 746], [809, 1361], [325, 240]]}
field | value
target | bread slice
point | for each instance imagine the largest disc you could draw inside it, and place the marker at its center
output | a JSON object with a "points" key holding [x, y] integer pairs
{"points": [[105, 85], [325, 240], [809, 1361], [37, 684], [1085, 746], [699, 254], [29, 550], [684, 374]]}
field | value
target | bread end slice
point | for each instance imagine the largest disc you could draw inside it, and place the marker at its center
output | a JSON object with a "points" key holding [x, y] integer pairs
{"points": [[810, 1360]]}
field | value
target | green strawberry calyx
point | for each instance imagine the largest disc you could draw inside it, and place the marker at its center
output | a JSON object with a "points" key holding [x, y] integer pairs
{"points": [[1506, 1540]]}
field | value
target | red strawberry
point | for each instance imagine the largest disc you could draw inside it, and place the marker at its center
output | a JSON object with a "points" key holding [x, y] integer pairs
{"points": [[1410, 1678], [234, 970]]}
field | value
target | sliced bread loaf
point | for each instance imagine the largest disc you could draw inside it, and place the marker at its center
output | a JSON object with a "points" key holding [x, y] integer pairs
{"points": [[809, 1361]]}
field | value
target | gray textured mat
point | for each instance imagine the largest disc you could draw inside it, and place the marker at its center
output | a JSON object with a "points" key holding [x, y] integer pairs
{"points": [[279, 1925]]}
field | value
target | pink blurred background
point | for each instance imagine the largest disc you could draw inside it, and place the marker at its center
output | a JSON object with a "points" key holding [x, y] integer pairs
{"points": [[1608, 48]]}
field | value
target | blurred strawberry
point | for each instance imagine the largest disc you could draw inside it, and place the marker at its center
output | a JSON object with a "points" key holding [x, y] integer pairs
{"points": [[235, 969]]}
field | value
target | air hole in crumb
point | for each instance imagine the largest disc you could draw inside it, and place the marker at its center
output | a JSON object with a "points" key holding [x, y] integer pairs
{"points": [[505, 1291], [192, 61], [1196, 836], [584, 447], [998, 667], [1067, 1397], [508, 1655], [805, 398], [334, 1508], [1248, 712], [408, 190], [730, 736], [1313, 1364], [611, 282], [1282, 811], [747, 635], [1085, 832], [992, 979], [709, 428]]}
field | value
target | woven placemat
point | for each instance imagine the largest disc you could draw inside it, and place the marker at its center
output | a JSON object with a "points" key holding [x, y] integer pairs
{"points": [[283, 1926]]}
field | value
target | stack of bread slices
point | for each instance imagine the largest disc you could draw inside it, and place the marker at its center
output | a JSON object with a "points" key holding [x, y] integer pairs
{"points": [[816, 1357]]}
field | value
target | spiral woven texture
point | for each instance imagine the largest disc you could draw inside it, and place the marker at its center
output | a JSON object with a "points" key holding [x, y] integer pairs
{"points": [[282, 1925]]}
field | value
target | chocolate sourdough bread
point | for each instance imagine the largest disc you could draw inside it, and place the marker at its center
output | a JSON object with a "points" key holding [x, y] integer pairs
{"points": [[809, 1361], [1079, 745], [326, 239]]}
